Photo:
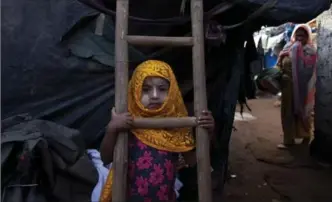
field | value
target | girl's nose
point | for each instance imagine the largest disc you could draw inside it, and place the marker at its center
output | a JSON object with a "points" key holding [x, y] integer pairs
{"points": [[154, 93]]}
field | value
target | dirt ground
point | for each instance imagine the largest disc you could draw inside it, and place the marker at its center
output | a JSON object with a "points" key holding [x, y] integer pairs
{"points": [[262, 173]]}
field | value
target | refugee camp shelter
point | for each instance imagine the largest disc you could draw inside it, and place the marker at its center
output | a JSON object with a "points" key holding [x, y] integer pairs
{"points": [[321, 145], [58, 78]]}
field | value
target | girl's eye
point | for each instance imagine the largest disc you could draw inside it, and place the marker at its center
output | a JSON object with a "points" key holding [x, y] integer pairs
{"points": [[145, 89], [163, 89]]}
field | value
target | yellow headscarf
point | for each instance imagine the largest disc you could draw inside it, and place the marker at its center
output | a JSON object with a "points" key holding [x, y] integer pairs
{"points": [[172, 140], [175, 140]]}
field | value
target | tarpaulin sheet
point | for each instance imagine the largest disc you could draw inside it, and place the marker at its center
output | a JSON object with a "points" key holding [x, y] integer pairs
{"points": [[168, 12], [291, 10], [41, 78], [85, 43]]}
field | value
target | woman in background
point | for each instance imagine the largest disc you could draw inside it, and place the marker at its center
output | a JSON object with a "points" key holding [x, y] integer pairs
{"points": [[297, 62]]}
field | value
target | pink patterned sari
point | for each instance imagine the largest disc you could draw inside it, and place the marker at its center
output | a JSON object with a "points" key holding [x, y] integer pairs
{"points": [[303, 59]]}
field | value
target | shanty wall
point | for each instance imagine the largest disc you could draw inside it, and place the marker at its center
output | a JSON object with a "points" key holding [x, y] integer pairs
{"points": [[323, 110]]}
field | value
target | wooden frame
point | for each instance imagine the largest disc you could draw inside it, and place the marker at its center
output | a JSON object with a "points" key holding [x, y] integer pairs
{"points": [[121, 84]]}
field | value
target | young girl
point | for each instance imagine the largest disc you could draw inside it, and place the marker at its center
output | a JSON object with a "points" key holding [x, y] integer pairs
{"points": [[153, 153]]}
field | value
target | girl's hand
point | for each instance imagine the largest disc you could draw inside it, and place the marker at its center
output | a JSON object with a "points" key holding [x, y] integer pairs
{"points": [[206, 121], [120, 122]]}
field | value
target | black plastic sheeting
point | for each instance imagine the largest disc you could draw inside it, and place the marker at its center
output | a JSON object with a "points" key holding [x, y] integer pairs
{"points": [[40, 77], [168, 11], [85, 43], [297, 11], [49, 155]]}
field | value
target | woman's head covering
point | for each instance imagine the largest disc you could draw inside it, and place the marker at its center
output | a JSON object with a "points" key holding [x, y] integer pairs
{"points": [[174, 140], [306, 28], [287, 48]]}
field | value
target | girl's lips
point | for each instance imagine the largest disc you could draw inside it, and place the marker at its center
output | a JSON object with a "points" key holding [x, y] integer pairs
{"points": [[154, 106]]}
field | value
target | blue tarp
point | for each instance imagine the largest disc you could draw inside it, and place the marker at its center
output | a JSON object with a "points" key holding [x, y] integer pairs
{"points": [[270, 60]]}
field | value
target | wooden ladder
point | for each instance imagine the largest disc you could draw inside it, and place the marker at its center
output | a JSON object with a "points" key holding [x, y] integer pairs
{"points": [[121, 85]]}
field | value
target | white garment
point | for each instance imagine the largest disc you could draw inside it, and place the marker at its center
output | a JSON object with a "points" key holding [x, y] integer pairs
{"points": [[268, 42], [274, 40], [103, 173]]}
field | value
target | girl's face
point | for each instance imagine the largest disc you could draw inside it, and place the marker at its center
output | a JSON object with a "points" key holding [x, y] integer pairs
{"points": [[154, 92], [301, 35]]}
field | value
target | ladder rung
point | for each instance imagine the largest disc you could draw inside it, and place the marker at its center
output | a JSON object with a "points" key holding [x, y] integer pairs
{"points": [[157, 123], [159, 40]]}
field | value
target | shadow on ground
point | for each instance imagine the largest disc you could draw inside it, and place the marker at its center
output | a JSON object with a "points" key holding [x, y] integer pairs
{"points": [[262, 173]]}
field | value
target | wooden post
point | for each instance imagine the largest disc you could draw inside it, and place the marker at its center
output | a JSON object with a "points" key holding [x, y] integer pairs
{"points": [[120, 160], [202, 138]]}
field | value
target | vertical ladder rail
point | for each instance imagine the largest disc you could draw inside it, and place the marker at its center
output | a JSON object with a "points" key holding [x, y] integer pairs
{"points": [[120, 160], [200, 103]]}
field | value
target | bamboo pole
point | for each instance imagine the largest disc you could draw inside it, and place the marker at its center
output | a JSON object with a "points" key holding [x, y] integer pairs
{"points": [[120, 158], [200, 103]]}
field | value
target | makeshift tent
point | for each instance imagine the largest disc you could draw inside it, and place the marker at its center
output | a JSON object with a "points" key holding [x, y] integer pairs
{"points": [[56, 68]]}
